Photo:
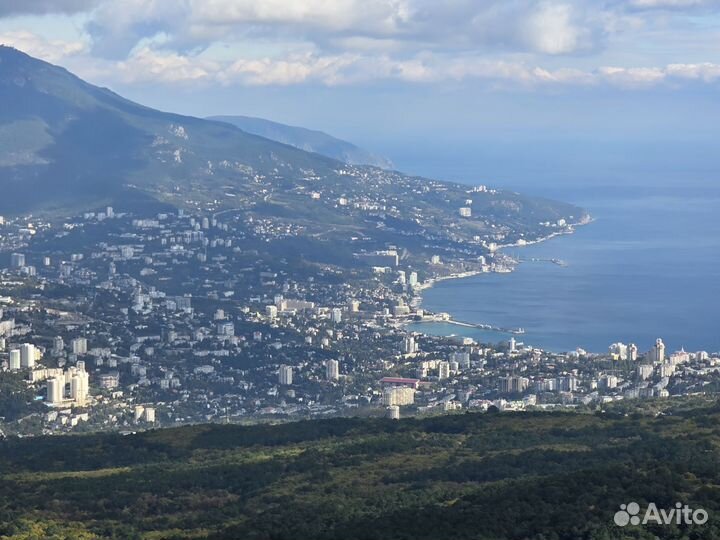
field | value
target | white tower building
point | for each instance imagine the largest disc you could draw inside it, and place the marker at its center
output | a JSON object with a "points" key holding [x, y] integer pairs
{"points": [[332, 370], [15, 359], [56, 391], [285, 375], [27, 355]]}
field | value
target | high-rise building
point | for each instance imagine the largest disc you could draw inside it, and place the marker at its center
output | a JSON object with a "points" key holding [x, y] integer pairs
{"points": [[336, 315], [56, 391], [17, 260], [15, 359], [58, 345], [657, 353], [332, 370], [443, 370], [632, 352], [79, 345], [409, 346], [413, 279], [285, 375], [27, 355], [79, 387]]}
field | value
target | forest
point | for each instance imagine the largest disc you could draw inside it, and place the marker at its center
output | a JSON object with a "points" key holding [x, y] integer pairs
{"points": [[494, 476]]}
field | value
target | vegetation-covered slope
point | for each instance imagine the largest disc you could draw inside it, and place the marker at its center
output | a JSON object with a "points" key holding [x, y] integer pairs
{"points": [[67, 146], [480, 476], [306, 139]]}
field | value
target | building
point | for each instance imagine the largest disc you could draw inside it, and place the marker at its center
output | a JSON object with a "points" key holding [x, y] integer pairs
{"points": [[398, 395], [58, 345], [413, 279], [465, 211], [271, 312], [56, 391], [336, 315], [645, 371], [332, 370], [108, 381], [225, 329], [14, 359], [285, 375], [17, 260], [513, 385], [400, 381], [443, 370], [393, 412], [27, 355], [79, 383], [632, 352], [79, 345], [657, 353], [409, 346]]}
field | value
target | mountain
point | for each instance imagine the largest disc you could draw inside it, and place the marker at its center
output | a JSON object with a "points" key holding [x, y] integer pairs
{"points": [[471, 476], [306, 139], [67, 146]]}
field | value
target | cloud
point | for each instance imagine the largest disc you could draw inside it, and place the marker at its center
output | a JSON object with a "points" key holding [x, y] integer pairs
{"points": [[673, 4], [146, 65], [42, 7], [48, 50], [536, 26]]}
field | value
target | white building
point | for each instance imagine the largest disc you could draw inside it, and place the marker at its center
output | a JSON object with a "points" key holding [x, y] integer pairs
{"points": [[336, 315], [56, 391], [398, 395], [645, 371], [15, 360], [332, 370], [79, 345], [27, 355], [409, 345], [657, 353], [443, 370], [285, 375], [271, 312], [17, 260], [413, 279]]}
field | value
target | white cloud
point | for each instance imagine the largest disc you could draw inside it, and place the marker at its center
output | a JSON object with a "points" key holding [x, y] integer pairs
{"points": [[35, 45], [550, 29]]}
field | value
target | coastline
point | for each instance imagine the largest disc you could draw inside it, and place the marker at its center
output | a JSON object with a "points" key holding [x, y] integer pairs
{"points": [[425, 285]]}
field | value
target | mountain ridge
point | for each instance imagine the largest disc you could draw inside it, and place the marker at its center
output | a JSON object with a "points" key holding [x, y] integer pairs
{"points": [[310, 140]]}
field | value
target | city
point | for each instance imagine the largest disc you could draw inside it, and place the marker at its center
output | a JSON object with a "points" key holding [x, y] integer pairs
{"points": [[119, 322]]}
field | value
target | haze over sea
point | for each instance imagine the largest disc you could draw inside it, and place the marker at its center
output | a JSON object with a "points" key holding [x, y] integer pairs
{"points": [[648, 267]]}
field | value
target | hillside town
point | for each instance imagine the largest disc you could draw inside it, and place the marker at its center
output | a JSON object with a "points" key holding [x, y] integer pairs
{"points": [[123, 322]]}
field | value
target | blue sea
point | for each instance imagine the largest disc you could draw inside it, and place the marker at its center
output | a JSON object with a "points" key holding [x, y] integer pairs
{"points": [[647, 267]]}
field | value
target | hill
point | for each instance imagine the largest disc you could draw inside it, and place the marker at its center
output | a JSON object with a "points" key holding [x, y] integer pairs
{"points": [[67, 146], [502, 476], [306, 139]]}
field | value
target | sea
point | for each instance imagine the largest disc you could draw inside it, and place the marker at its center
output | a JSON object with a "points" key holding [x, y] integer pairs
{"points": [[647, 267]]}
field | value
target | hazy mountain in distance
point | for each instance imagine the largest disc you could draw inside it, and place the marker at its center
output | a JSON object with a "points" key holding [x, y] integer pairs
{"points": [[307, 139]]}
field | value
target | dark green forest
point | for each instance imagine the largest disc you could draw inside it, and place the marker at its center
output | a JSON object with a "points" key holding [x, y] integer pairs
{"points": [[541, 476]]}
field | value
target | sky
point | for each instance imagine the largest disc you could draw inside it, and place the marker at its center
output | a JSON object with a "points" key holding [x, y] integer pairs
{"points": [[402, 76]]}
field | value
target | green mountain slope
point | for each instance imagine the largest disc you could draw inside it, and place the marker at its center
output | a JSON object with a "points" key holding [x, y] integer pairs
{"points": [[66, 146], [306, 139], [481, 476]]}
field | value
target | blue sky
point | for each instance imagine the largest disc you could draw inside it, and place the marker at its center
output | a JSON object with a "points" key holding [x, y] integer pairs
{"points": [[428, 73]]}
